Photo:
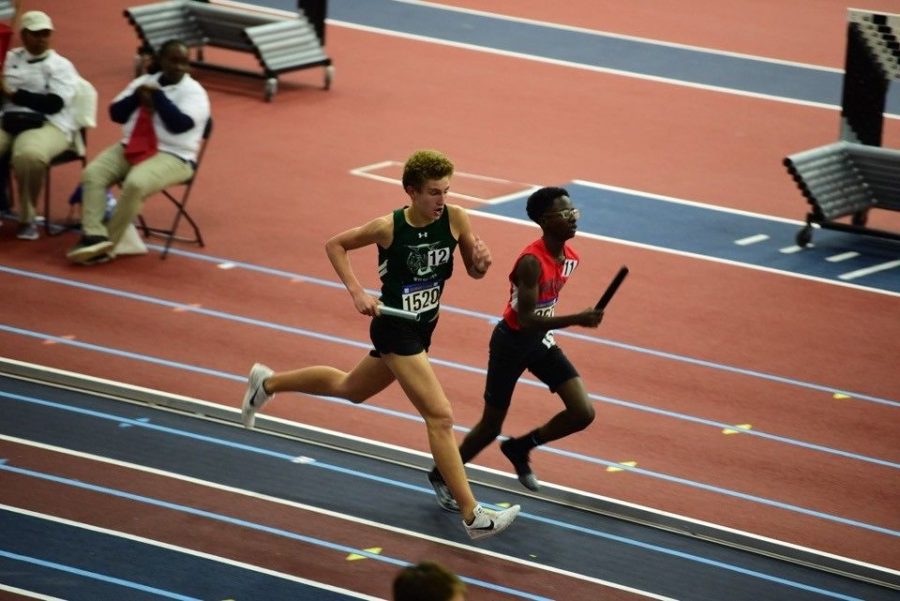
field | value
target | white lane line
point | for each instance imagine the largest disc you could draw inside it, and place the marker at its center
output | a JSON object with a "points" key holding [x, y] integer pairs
{"points": [[789, 250], [852, 275], [842, 257], [524, 189], [751, 239], [533, 566], [184, 551], [29, 594]]}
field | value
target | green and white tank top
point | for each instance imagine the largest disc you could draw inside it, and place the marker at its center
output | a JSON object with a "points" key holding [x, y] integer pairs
{"points": [[416, 265]]}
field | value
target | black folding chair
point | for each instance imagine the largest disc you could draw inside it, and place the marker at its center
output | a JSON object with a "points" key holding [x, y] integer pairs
{"points": [[84, 106], [70, 155], [170, 233]]}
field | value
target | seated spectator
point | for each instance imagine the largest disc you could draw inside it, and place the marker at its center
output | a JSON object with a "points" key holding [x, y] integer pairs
{"points": [[428, 581], [6, 208], [37, 118], [163, 115], [6, 34]]}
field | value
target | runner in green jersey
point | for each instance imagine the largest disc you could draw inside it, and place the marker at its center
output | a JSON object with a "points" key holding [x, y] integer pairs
{"points": [[416, 245]]}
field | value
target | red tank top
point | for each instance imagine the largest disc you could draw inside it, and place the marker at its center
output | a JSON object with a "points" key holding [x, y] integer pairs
{"points": [[553, 277]]}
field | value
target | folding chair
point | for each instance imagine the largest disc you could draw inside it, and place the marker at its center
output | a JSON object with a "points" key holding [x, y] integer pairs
{"points": [[84, 107], [70, 155], [180, 201]]}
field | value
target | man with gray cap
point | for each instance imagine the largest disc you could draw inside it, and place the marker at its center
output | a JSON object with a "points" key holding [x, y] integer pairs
{"points": [[37, 122]]}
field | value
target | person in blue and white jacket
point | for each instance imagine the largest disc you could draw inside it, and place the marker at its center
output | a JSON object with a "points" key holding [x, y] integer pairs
{"points": [[175, 110]]}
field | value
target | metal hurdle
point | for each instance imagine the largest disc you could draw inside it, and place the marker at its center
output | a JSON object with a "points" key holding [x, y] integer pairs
{"points": [[279, 43], [855, 175]]}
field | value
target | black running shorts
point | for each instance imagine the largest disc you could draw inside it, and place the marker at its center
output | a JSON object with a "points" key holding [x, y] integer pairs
{"points": [[394, 335], [512, 352]]}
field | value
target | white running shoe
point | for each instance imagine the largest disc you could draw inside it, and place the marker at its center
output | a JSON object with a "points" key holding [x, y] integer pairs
{"points": [[256, 396], [488, 522]]}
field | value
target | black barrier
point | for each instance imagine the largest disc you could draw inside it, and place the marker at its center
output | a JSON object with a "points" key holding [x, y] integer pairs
{"points": [[856, 175], [316, 12]]}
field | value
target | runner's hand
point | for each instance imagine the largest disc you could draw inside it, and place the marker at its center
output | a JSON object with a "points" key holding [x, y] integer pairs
{"points": [[366, 304], [590, 317], [481, 255]]}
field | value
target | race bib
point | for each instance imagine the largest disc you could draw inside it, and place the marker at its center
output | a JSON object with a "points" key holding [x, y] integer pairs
{"points": [[421, 297], [548, 339], [546, 310]]}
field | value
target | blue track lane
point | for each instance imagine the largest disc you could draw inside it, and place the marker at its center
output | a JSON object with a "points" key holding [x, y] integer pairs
{"points": [[594, 49], [627, 215], [122, 568], [557, 536], [711, 232], [601, 51]]}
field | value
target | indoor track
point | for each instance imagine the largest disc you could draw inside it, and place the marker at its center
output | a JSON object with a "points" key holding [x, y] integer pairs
{"points": [[746, 392], [162, 504]]}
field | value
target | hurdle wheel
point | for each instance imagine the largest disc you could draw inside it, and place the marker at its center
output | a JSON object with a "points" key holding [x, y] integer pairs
{"points": [[271, 89], [804, 236]]}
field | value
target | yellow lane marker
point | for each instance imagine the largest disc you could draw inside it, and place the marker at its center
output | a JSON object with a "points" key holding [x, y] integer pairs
{"points": [[613, 468], [737, 429], [56, 340], [185, 308], [841, 396], [356, 556]]}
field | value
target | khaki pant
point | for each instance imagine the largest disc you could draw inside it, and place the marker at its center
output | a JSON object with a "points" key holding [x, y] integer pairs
{"points": [[138, 182], [32, 151]]}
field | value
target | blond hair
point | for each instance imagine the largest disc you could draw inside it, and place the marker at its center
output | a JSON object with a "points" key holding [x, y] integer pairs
{"points": [[424, 165]]}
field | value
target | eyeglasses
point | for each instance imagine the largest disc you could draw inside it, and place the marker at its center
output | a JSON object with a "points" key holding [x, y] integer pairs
{"points": [[566, 213]]}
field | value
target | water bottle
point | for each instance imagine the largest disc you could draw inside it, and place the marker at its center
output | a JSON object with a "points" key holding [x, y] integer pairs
{"points": [[110, 205]]}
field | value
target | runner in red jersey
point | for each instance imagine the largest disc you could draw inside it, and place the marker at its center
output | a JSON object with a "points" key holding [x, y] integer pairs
{"points": [[523, 339]]}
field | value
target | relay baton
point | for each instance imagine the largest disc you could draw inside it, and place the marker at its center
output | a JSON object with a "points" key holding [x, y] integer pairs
{"points": [[611, 289], [402, 314]]}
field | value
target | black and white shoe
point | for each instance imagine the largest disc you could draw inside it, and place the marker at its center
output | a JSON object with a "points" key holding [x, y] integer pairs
{"points": [[88, 248], [255, 396], [27, 231], [98, 259], [488, 522], [521, 464], [441, 492]]}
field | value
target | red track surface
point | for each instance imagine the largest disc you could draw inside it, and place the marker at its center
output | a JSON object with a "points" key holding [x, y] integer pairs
{"points": [[276, 184]]}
